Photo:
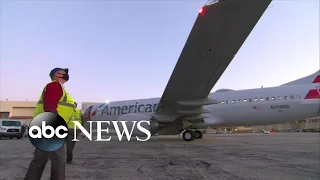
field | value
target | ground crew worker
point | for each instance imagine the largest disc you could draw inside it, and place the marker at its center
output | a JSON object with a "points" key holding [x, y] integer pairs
{"points": [[54, 98], [71, 144]]}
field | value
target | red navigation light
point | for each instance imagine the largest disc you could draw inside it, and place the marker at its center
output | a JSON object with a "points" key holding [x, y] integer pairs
{"points": [[201, 10]]}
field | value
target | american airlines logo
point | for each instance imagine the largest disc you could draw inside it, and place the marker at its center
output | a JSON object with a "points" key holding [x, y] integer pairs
{"points": [[136, 108]]}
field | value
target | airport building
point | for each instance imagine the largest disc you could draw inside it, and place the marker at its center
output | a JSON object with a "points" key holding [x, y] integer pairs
{"points": [[19, 110], [23, 110]]}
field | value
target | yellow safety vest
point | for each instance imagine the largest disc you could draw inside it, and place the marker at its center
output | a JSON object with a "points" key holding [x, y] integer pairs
{"points": [[65, 108], [75, 117]]}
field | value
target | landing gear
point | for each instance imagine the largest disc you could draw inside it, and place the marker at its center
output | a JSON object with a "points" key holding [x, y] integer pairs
{"points": [[198, 134], [189, 135]]}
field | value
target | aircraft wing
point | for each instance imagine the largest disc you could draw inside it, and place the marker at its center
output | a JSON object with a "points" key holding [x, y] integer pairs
{"points": [[218, 33]]}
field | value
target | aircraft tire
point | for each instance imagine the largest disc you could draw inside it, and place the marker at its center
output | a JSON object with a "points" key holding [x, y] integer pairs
{"points": [[188, 135], [198, 134]]}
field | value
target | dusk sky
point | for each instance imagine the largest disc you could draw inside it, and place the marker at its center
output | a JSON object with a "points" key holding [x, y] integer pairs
{"points": [[119, 50]]}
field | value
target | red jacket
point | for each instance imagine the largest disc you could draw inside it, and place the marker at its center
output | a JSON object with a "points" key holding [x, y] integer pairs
{"points": [[51, 97]]}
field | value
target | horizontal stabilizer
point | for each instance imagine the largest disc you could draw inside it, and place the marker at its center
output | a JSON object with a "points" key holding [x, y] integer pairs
{"points": [[199, 102]]}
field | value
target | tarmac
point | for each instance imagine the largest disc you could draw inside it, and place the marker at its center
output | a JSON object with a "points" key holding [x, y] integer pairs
{"points": [[252, 156]]}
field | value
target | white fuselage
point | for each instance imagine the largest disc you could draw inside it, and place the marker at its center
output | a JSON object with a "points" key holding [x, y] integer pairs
{"points": [[237, 108]]}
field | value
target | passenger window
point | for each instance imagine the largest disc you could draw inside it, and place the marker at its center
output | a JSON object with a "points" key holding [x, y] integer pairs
{"points": [[227, 102], [250, 100], [273, 98], [239, 100], [222, 102], [292, 96], [244, 100], [279, 97], [267, 98], [261, 99], [256, 99], [233, 101], [286, 97]]}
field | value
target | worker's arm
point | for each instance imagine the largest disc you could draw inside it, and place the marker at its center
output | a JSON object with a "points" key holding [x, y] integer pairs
{"points": [[51, 97]]}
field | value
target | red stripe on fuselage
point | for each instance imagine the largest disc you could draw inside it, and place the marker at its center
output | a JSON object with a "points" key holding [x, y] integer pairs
{"points": [[317, 80], [313, 94]]}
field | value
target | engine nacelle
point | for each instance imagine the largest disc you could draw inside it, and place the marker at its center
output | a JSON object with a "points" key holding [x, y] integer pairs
{"points": [[138, 125]]}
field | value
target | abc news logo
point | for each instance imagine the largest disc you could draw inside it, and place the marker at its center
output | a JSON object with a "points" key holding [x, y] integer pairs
{"points": [[48, 131]]}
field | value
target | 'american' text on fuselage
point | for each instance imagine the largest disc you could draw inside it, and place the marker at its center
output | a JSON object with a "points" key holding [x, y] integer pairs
{"points": [[137, 108]]}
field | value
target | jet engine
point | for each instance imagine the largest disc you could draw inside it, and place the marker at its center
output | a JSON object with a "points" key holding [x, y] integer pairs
{"points": [[148, 122]]}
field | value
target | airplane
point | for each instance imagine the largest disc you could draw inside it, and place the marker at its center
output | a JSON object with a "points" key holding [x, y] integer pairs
{"points": [[188, 107], [249, 107]]}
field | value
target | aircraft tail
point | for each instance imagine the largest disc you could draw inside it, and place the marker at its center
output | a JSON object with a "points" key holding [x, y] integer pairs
{"points": [[313, 78]]}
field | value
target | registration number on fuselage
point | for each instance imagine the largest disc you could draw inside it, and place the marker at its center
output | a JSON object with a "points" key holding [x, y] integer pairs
{"points": [[283, 106]]}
